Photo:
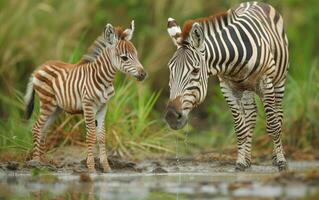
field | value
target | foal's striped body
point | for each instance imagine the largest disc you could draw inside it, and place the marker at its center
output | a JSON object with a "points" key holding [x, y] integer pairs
{"points": [[83, 88]]}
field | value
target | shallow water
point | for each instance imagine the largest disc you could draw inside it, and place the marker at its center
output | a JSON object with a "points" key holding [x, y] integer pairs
{"points": [[188, 180]]}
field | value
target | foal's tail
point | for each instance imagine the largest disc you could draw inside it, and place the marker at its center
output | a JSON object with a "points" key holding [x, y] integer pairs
{"points": [[29, 99]]}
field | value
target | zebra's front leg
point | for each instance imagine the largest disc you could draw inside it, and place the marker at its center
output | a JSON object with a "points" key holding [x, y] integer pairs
{"points": [[89, 116], [233, 99], [279, 94], [274, 122], [250, 109], [101, 139]]}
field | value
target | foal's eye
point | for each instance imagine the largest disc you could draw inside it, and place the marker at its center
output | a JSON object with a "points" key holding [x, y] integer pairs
{"points": [[195, 71], [124, 58]]}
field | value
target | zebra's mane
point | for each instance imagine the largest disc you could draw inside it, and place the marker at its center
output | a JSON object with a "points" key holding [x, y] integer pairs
{"points": [[189, 23], [98, 45]]}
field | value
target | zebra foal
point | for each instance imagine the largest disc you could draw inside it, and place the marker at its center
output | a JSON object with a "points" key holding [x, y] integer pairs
{"points": [[83, 88], [247, 49]]}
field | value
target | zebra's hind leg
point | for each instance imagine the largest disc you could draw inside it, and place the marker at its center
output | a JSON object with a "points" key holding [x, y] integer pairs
{"points": [[250, 109], [274, 121], [100, 129], [233, 99]]}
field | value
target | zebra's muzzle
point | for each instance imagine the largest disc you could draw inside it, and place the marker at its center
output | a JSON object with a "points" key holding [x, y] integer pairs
{"points": [[175, 119], [174, 116]]}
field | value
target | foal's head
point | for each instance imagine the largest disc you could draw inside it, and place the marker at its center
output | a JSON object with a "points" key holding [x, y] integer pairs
{"points": [[124, 56]]}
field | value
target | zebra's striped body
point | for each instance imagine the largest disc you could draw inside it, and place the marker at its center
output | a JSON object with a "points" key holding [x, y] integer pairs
{"points": [[84, 88], [247, 48]]}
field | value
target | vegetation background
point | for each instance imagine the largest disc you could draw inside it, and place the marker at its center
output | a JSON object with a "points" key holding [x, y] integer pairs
{"points": [[33, 31]]}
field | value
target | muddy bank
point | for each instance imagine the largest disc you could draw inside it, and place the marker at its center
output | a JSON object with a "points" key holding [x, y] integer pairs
{"points": [[65, 176], [185, 180], [161, 179]]}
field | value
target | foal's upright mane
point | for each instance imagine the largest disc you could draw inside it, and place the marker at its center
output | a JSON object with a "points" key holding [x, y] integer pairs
{"points": [[98, 45]]}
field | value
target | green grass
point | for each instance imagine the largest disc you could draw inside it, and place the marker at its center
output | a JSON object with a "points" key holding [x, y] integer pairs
{"points": [[131, 125]]}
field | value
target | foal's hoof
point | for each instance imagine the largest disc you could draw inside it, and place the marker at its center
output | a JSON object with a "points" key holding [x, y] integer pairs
{"points": [[34, 164], [92, 171], [282, 166], [104, 166], [240, 167], [107, 170]]}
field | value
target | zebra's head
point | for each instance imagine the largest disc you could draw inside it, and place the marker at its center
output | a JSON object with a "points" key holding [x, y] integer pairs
{"points": [[124, 54], [188, 72]]}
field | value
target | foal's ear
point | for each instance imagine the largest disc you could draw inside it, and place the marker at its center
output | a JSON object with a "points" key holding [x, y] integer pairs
{"points": [[129, 31], [110, 35], [196, 35], [174, 31]]}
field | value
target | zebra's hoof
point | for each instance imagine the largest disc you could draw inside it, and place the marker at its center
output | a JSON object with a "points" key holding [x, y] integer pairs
{"points": [[282, 166], [274, 161], [248, 163], [240, 167]]}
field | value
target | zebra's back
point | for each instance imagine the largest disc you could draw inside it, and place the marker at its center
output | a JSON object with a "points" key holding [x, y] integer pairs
{"points": [[267, 26]]}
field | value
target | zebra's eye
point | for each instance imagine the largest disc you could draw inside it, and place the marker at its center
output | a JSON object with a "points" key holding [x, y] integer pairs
{"points": [[195, 71], [124, 58]]}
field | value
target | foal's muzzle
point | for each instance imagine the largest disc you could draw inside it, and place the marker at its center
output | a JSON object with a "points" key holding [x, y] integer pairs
{"points": [[141, 75]]}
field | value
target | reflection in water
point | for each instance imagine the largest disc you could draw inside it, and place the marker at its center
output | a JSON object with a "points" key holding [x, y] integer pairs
{"points": [[150, 186], [72, 192]]}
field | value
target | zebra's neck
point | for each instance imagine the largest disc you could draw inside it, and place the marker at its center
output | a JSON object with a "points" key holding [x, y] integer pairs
{"points": [[217, 44], [103, 68]]}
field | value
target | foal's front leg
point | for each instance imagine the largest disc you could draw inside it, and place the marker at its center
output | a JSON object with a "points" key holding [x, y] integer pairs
{"points": [[89, 116], [101, 138]]}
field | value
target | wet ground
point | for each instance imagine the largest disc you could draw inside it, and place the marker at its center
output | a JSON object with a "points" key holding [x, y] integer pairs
{"points": [[170, 178]]}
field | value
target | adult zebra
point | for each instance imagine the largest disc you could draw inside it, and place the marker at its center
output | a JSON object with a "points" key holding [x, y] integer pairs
{"points": [[247, 48], [84, 87]]}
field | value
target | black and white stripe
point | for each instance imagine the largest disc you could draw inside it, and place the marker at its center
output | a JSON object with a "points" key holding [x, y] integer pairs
{"points": [[247, 48]]}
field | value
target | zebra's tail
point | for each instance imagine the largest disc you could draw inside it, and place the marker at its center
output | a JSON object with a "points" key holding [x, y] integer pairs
{"points": [[29, 100]]}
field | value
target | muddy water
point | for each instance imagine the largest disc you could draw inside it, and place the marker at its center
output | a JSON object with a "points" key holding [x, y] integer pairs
{"points": [[167, 180]]}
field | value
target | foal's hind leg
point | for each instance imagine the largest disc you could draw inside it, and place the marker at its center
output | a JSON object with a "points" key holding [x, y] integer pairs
{"points": [[48, 112], [44, 130]]}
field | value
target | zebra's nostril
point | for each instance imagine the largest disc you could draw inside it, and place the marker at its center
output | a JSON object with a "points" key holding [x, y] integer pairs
{"points": [[143, 74], [178, 115], [172, 114]]}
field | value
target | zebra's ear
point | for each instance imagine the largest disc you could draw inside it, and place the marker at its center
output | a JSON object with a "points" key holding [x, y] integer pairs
{"points": [[174, 31], [110, 35], [129, 32], [196, 35]]}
